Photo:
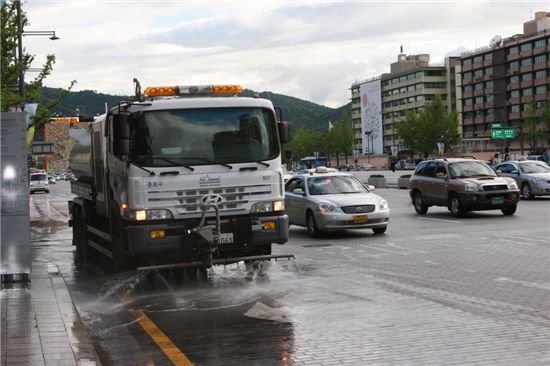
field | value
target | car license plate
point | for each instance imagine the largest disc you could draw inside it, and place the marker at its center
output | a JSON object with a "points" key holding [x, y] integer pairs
{"points": [[360, 219], [225, 238], [497, 200]]}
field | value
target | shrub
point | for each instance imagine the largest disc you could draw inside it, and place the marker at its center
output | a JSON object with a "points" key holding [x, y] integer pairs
{"points": [[406, 176], [377, 176]]}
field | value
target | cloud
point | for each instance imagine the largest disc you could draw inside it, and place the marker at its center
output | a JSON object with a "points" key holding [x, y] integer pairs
{"points": [[310, 50]]}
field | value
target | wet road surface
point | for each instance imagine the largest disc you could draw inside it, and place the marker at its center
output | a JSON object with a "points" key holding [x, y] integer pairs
{"points": [[432, 290]]}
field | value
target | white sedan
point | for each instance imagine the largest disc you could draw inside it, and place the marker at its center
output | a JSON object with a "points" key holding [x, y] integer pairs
{"points": [[328, 201]]}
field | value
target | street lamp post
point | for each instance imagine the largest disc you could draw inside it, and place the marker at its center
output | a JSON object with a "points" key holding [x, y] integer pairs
{"points": [[20, 32]]}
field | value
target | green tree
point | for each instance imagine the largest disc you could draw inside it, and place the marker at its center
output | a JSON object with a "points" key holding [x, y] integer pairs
{"points": [[421, 132], [340, 138], [11, 66], [533, 124]]}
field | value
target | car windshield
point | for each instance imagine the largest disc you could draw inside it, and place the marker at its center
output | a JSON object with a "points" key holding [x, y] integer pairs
{"points": [[204, 136], [470, 169], [39, 177], [532, 168], [334, 185]]}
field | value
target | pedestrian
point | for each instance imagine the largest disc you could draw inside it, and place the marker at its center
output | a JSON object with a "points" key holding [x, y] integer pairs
{"points": [[496, 159], [545, 156], [507, 157], [393, 162]]}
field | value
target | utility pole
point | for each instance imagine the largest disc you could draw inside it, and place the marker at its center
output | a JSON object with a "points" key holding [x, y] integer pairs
{"points": [[20, 52]]}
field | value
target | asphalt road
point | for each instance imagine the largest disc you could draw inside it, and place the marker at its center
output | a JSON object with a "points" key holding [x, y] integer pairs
{"points": [[433, 290]]}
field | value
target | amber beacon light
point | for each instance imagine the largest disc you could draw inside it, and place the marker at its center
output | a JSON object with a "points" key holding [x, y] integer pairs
{"points": [[168, 91]]}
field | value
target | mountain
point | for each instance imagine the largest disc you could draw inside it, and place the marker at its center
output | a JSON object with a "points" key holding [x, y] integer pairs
{"points": [[300, 113]]}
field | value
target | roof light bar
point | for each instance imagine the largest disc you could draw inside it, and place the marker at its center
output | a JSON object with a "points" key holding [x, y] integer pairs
{"points": [[168, 91]]}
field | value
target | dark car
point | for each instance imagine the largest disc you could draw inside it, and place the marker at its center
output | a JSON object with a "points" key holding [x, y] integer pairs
{"points": [[461, 185]]}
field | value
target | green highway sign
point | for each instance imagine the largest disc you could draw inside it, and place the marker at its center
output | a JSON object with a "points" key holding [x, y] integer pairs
{"points": [[496, 125], [503, 133]]}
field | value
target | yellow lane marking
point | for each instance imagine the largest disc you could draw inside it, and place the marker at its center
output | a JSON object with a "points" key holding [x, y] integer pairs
{"points": [[165, 344], [169, 348]]}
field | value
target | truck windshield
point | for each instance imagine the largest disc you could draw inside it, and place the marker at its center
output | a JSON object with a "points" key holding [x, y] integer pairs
{"points": [[204, 136]]}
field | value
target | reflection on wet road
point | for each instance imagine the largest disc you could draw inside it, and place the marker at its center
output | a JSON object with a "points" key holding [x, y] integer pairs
{"points": [[426, 292]]}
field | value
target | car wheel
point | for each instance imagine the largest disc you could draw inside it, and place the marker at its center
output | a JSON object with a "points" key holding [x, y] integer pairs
{"points": [[526, 191], [419, 206], [456, 208], [47, 191], [509, 210], [312, 228], [379, 230]]}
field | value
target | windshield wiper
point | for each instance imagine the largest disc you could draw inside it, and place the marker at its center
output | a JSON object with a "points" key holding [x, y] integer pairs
{"points": [[174, 163], [205, 160], [261, 162], [144, 169]]}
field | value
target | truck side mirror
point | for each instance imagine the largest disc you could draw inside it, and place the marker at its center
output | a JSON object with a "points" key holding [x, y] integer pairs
{"points": [[121, 134], [284, 129]]}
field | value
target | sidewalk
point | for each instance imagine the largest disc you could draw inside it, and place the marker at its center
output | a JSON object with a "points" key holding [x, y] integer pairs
{"points": [[40, 325]]}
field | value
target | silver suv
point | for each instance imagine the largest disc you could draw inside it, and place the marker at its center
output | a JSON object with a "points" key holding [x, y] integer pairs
{"points": [[461, 185]]}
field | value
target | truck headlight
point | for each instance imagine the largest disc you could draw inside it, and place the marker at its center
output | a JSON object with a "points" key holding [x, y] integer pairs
{"points": [[471, 188], [267, 206], [383, 205], [326, 207], [142, 215], [512, 185]]}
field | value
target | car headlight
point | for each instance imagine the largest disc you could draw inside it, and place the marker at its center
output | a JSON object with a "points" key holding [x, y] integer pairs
{"points": [[383, 205], [326, 207], [32, 184], [268, 206], [471, 188], [512, 185]]}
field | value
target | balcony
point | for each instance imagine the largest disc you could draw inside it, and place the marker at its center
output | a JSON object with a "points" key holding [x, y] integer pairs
{"points": [[526, 99], [527, 53], [466, 68], [467, 121], [467, 95], [468, 108], [539, 66], [541, 81], [488, 91], [477, 65], [538, 51], [479, 120], [512, 57], [489, 119], [527, 68], [526, 84], [514, 115]]}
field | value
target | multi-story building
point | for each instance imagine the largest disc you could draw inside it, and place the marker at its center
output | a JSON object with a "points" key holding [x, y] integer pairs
{"points": [[499, 82], [411, 84]]}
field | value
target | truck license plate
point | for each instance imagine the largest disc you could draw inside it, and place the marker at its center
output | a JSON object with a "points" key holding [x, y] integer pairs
{"points": [[360, 219], [497, 200], [225, 238]]}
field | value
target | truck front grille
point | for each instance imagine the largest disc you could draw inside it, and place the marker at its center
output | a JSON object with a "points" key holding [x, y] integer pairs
{"points": [[189, 201]]}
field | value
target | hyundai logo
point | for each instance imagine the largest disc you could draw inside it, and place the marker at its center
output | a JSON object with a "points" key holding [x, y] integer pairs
{"points": [[211, 198]]}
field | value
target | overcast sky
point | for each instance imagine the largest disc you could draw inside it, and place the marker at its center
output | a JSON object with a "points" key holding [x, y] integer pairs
{"points": [[310, 50]]}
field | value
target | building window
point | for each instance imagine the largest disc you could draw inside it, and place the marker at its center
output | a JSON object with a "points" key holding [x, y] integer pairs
{"points": [[527, 76], [479, 100], [541, 74], [418, 74], [489, 84], [526, 92], [540, 43], [514, 79], [478, 73], [419, 86], [467, 75], [540, 59], [403, 90], [478, 59], [467, 62], [489, 98], [541, 89], [514, 65], [525, 107], [419, 98], [410, 76], [488, 57], [526, 46], [490, 112], [478, 86], [526, 61], [395, 103], [435, 85], [489, 71], [513, 50], [514, 93], [387, 105], [402, 101], [410, 100], [410, 88], [468, 88], [540, 104], [468, 101], [435, 73], [386, 82], [514, 108], [468, 114], [394, 80], [479, 113]]}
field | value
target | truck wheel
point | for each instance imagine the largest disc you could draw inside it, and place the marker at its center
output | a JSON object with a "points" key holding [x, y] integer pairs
{"points": [[312, 228], [509, 210], [456, 208], [419, 206], [80, 235]]}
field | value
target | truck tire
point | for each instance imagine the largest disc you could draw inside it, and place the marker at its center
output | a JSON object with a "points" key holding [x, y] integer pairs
{"points": [[80, 235]]}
